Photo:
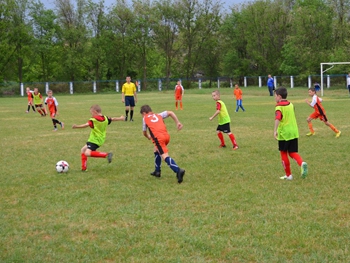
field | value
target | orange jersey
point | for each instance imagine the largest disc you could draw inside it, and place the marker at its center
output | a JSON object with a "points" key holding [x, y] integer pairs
{"points": [[157, 129], [51, 104], [238, 93], [316, 104], [178, 90], [155, 124]]}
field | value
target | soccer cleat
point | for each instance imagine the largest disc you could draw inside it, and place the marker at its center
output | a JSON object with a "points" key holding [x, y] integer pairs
{"points": [[310, 134], [287, 177], [338, 134], [131, 119], [84, 170], [62, 125], [180, 175], [156, 173], [235, 147], [27, 111], [222, 146], [126, 118], [109, 156], [304, 170], [55, 129]]}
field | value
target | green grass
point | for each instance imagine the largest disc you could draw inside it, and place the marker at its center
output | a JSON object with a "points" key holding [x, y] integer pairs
{"points": [[231, 207]]}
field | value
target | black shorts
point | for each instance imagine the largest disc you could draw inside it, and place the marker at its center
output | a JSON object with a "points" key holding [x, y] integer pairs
{"points": [[92, 146], [288, 146], [38, 105], [225, 128], [129, 101]]}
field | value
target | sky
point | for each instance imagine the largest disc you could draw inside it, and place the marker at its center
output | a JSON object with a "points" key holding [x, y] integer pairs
{"points": [[226, 3]]}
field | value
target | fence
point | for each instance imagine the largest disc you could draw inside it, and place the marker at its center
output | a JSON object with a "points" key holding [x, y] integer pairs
{"points": [[15, 89]]}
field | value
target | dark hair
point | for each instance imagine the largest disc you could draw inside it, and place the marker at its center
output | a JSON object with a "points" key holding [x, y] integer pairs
{"points": [[312, 89], [282, 91], [145, 109]]}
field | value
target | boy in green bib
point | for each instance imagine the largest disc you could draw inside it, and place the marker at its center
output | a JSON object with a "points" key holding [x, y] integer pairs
{"points": [[287, 134], [98, 124]]}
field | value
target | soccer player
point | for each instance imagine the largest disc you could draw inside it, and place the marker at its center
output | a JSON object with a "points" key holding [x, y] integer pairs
{"points": [[157, 132], [287, 134], [179, 92], [129, 97], [38, 102], [319, 113], [237, 92], [52, 105], [30, 99], [98, 124], [348, 82], [224, 121]]}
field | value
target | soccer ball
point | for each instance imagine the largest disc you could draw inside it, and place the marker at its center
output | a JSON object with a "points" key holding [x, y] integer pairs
{"points": [[62, 167]]}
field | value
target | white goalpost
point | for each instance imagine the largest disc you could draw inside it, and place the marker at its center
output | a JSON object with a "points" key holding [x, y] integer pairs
{"points": [[332, 64]]}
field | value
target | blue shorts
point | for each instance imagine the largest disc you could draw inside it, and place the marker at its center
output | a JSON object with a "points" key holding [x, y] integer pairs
{"points": [[129, 101]]}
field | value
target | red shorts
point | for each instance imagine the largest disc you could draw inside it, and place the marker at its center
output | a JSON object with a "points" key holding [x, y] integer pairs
{"points": [[52, 114], [316, 115], [161, 143], [178, 97]]}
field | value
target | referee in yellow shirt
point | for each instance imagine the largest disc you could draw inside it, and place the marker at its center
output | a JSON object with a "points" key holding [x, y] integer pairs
{"points": [[129, 97]]}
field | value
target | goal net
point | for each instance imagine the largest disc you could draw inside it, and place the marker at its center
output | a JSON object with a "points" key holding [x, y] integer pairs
{"points": [[331, 65]]}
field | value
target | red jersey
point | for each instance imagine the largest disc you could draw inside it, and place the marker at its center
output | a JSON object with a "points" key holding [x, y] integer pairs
{"points": [[30, 95], [155, 124], [51, 104]]}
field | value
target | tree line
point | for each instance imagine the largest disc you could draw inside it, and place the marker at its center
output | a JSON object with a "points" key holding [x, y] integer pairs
{"points": [[86, 40]]}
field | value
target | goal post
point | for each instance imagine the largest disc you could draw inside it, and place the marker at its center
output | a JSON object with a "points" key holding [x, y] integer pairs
{"points": [[331, 64]]}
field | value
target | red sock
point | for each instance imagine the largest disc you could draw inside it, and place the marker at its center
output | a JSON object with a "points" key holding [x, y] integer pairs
{"points": [[83, 161], [176, 104], [233, 140], [285, 162], [181, 105], [98, 154], [221, 137], [296, 157]]}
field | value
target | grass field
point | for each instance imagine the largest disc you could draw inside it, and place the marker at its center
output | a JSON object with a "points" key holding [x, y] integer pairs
{"points": [[231, 207]]}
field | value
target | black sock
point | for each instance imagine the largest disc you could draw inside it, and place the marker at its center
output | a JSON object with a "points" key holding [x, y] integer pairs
{"points": [[126, 113], [28, 108], [131, 114], [32, 108]]}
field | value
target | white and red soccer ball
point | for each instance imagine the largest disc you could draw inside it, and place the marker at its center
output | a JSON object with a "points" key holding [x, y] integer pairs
{"points": [[62, 166]]}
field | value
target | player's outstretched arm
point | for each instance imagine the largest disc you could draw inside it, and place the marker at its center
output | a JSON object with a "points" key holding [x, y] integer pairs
{"points": [[121, 118], [215, 114], [176, 120], [75, 126]]}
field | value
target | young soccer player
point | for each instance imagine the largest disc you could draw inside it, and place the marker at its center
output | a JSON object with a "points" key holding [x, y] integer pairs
{"points": [[319, 113], [98, 124], [38, 102], [287, 134], [52, 105], [224, 121], [30, 99], [160, 137], [129, 97], [237, 92], [179, 92]]}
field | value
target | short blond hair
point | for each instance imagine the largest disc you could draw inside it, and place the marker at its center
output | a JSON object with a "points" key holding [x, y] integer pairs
{"points": [[96, 108]]}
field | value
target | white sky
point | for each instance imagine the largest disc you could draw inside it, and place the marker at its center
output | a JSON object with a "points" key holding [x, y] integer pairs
{"points": [[226, 3]]}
